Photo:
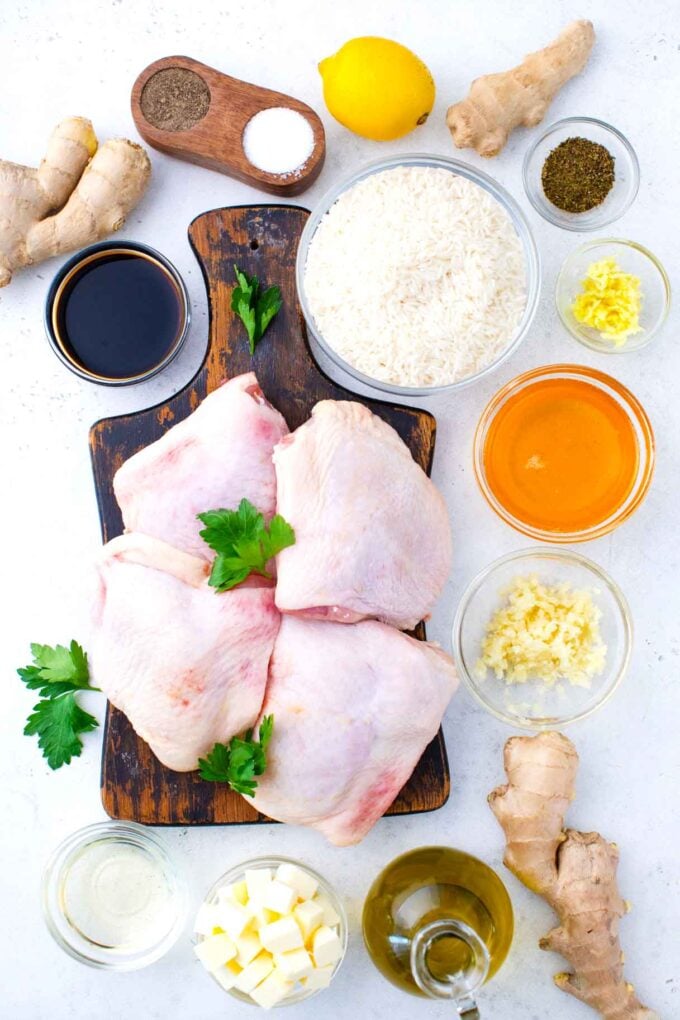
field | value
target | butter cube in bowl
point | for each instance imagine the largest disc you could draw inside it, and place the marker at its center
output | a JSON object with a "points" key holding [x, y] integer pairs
{"points": [[271, 932]]}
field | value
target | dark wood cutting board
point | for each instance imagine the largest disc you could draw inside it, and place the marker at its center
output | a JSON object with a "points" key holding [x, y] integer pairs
{"points": [[262, 240]]}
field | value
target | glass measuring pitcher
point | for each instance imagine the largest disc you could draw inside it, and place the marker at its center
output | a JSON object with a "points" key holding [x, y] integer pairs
{"points": [[438, 922]]}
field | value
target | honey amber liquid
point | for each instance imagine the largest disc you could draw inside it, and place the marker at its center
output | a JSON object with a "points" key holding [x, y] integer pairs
{"points": [[561, 455], [432, 884]]}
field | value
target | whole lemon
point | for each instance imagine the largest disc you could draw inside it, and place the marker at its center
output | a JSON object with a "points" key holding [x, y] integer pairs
{"points": [[377, 88]]}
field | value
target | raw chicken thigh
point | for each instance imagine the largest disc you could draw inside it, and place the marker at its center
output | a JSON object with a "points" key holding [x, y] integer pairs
{"points": [[219, 455], [354, 708], [187, 666], [372, 531]]}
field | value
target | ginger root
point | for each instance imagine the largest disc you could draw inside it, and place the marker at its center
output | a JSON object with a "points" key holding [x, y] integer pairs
{"points": [[574, 871], [78, 195], [498, 103]]}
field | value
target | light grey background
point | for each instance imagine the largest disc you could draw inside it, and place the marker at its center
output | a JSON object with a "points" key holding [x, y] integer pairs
{"points": [[64, 58]]}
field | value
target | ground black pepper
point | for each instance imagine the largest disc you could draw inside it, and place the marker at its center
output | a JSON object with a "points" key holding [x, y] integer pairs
{"points": [[174, 99], [578, 175]]}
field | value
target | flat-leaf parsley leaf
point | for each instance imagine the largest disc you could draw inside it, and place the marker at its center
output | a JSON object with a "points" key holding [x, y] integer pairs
{"points": [[58, 674], [255, 310], [243, 543], [240, 761]]}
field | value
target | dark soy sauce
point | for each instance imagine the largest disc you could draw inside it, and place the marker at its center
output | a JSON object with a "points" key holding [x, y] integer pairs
{"points": [[120, 315]]}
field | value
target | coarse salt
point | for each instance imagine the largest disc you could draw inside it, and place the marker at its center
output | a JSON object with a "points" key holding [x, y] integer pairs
{"points": [[278, 140]]}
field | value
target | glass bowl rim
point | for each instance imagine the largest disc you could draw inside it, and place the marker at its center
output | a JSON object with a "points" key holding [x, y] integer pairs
{"points": [[646, 451], [646, 253], [75, 841], [568, 556], [559, 219], [521, 225], [273, 860]]}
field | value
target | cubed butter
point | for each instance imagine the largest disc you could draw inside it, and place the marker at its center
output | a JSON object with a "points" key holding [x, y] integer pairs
{"points": [[281, 936], [301, 881], [326, 946], [214, 951], [206, 919], [257, 880], [272, 990], [227, 975], [319, 978], [248, 945], [279, 897], [294, 965], [309, 916], [233, 918], [237, 892], [330, 916], [254, 973], [263, 916]]}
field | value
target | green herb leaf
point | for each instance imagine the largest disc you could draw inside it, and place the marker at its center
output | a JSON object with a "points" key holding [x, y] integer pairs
{"points": [[223, 528], [55, 671], [255, 310], [267, 307], [57, 723], [239, 762], [243, 543], [279, 537], [58, 673]]}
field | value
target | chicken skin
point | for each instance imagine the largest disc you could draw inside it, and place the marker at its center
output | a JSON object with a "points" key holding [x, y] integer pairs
{"points": [[219, 455], [373, 538], [188, 666], [354, 708]]}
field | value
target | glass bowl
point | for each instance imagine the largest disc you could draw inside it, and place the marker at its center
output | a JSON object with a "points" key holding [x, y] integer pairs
{"points": [[633, 258], [65, 910], [626, 171], [519, 221], [640, 423], [236, 874], [533, 705], [73, 267]]}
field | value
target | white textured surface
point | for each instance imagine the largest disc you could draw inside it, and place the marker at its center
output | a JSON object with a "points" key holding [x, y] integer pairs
{"points": [[82, 57]]}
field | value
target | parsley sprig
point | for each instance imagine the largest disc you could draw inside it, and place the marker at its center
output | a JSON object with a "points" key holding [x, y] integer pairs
{"points": [[255, 310], [243, 543], [240, 761], [58, 673]]}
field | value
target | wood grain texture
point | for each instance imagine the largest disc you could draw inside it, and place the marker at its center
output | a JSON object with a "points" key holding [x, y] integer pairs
{"points": [[262, 240], [216, 141]]}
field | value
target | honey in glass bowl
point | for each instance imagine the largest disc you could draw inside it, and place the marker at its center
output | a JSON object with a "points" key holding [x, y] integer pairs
{"points": [[564, 453]]}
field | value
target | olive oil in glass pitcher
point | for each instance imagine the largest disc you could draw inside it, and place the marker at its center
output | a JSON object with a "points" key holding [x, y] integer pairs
{"points": [[438, 922]]}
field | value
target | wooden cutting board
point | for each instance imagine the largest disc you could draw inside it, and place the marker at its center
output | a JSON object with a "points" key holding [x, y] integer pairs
{"points": [[261, 240]]}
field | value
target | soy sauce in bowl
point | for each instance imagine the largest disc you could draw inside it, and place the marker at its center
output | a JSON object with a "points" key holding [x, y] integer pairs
{"points": [[117, 314]]}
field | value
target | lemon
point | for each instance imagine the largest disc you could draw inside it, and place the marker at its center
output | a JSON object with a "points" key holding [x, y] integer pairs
{"points": [[377, 88]]}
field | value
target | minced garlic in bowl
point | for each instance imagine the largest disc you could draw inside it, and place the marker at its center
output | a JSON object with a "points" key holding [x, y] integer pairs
{"points": [[544, 632], [542, 637]]}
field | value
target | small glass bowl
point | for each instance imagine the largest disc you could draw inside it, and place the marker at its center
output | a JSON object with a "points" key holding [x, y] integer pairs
{"points": [[626, 173], [454, 166], [73, 267], [64, 929], [533, 705], [638, 420], [632, 258], [236, 874]]}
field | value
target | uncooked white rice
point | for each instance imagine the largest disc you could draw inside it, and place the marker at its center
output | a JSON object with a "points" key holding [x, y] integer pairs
{"points": [[416, 276]]}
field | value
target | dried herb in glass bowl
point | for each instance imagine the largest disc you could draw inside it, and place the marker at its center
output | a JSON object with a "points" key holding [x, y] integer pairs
{"points": [[578, 175]]}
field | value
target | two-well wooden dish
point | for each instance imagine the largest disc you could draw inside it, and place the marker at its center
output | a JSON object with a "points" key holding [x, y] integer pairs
{"points": [[216, 140]]}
